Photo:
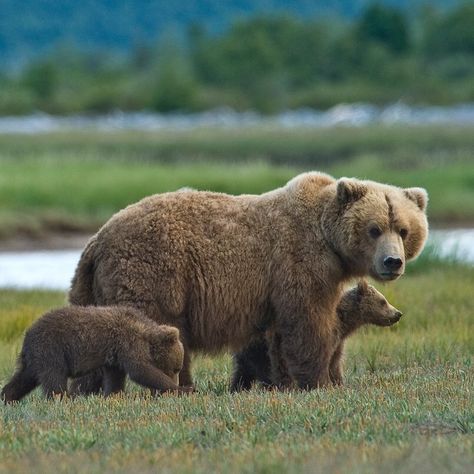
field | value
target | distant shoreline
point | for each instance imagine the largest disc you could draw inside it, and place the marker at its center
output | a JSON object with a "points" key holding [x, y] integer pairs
{"points": [[77, 241], [54, 241], [356, 114]]}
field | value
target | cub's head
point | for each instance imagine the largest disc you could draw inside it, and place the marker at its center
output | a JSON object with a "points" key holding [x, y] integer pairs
{"points": [[365, 305], [167, 351], [376, 228]]}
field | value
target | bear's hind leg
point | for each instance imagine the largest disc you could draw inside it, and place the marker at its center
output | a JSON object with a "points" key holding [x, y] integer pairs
{"points": [[21, 384]]}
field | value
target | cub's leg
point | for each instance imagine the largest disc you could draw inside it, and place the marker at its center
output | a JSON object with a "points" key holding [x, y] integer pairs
{"points": [[278, 368], [149, 376], [251, 364], [21, 384], [113, 381], [242, 375], [53, 381], [335, 366], [185, 376], [88, 384]]}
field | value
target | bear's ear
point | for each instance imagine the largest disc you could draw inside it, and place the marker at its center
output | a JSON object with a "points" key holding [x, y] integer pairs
{"points": [[169, 335], [350, 190], [418, 195], [362, 287]]}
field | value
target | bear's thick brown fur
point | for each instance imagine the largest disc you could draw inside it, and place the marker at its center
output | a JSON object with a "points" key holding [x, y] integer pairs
{"points": [[73, 341], [223, 268], [262, 360]]}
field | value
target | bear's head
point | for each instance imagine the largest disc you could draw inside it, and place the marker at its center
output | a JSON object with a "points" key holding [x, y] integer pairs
{"points": [[375, 228], [365, 305], [167, 351]]}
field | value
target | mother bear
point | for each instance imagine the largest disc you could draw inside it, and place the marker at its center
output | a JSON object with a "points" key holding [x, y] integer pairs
{"points": [[223, 268]]}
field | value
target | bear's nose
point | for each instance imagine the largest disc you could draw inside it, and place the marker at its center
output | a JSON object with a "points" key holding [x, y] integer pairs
{"points": [[392, 263], [398, 314]]}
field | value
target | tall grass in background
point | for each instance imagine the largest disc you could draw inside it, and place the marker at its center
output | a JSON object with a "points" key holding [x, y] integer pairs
{"points": [[75, 181]]}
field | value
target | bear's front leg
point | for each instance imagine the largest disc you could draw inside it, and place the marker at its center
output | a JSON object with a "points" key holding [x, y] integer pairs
{"points": [[307, 343]]}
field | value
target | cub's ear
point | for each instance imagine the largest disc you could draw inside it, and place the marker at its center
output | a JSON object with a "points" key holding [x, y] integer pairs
{"points": [[350, 190], [169, 335], [362, 287], [418, 195]]}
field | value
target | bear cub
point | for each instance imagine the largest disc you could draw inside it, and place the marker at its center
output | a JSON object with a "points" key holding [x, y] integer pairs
{"points": [[359, 306], [262, 360], [73, 341]]}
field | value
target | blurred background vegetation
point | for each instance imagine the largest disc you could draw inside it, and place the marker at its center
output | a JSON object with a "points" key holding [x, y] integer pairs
{"points": [[93, 56], [97, 57]]}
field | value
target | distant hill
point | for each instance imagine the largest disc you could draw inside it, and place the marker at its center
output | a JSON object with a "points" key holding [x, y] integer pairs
{"points": [[29, 28]]}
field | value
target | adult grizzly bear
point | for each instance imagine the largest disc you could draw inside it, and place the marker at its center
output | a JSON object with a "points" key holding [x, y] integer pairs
{"points": [[261, 360], [73, 341], [222, 268]]}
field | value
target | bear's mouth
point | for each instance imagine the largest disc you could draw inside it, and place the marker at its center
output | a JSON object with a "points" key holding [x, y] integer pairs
{"points": [[388, 276], [385, 276], [390, 321]]}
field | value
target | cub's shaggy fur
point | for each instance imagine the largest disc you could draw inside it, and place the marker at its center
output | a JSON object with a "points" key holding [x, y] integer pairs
{"points": [[360, 306], [262, 360], [223, 268], [73, 341]]}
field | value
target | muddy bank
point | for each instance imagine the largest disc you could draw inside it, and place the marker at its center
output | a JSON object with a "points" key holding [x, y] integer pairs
{"points": [[50, 242]]}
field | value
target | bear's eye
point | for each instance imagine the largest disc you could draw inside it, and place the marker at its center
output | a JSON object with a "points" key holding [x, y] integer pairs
{"points": [[375, 232], [403, 233]]}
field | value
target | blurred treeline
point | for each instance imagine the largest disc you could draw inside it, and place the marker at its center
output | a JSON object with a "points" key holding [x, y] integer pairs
{"points": [[264, 63]]}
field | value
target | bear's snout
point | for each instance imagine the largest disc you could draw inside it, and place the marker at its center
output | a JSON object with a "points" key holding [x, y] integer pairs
{"points": [[394, 318], [392, 264], [390, 320], [392, 267], [389, 260], [397, 316]]}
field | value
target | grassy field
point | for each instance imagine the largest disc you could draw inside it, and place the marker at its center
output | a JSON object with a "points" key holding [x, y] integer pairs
{"points": [[407, 405], [75, 181]]}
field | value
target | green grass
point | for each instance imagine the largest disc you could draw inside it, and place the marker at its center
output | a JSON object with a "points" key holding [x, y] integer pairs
{"points": [[72, 194], [406, 407], [75, 181], [279, 146]]}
